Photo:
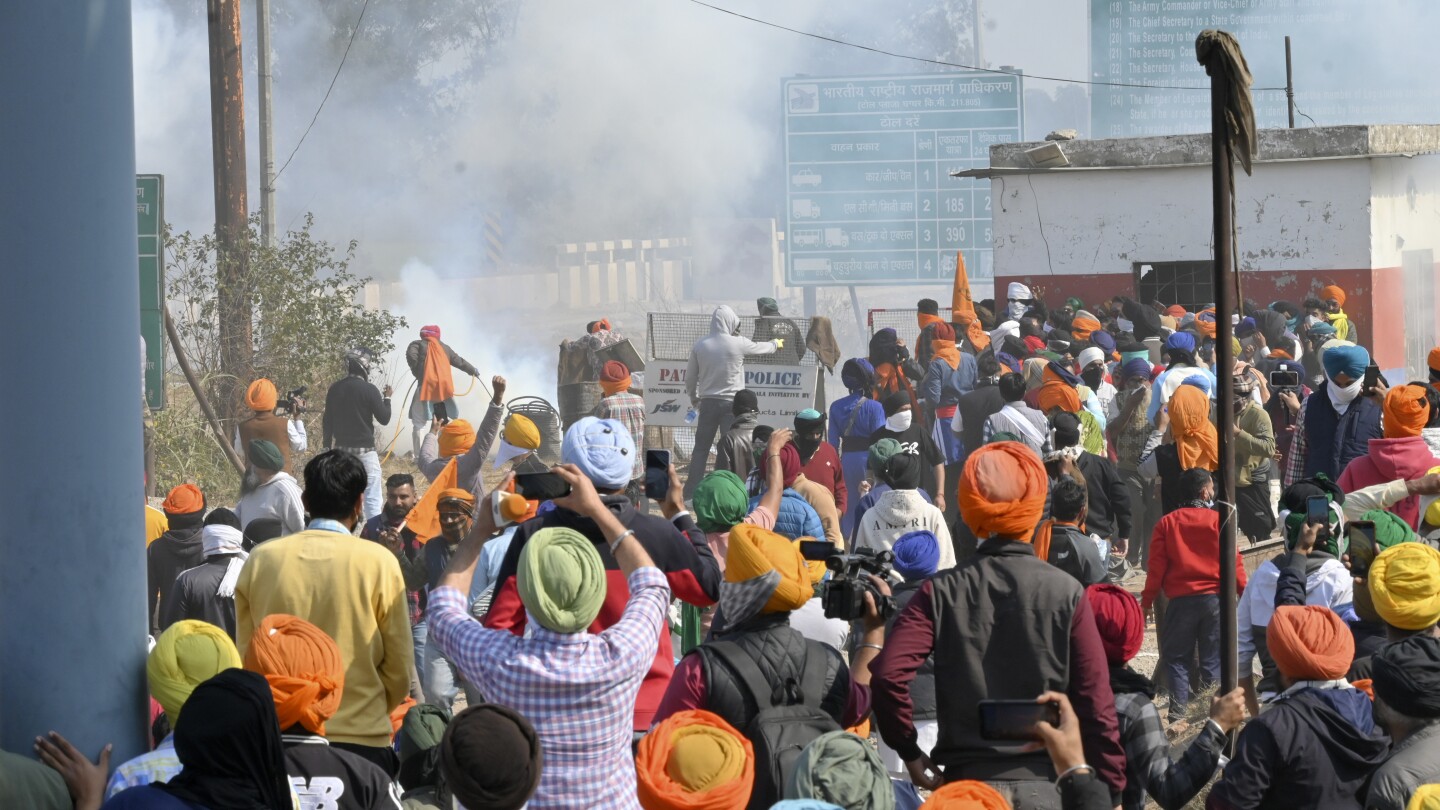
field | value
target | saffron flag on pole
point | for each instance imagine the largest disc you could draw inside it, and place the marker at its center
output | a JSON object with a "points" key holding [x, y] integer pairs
{"points": [[962, 307]]}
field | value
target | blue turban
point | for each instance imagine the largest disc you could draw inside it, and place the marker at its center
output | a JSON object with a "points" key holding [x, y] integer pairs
{"points": [[1199, 381], [917, 555], [1009, 361], [857, 374], [1104, 341], [603, 450], [1246, 327], [808, 415], [1183, 341], [1348, 360], [1322, 329], [1065, 374], [1137, 367]]}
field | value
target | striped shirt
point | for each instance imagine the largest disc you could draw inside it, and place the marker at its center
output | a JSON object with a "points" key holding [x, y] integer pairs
{"points": [[160, 765], [629, 410], [577, 689]]}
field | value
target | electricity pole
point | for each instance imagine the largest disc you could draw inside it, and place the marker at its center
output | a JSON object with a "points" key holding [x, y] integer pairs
{"points": [[267, 135]]}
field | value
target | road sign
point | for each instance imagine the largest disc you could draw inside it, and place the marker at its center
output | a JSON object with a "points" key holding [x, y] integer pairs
{"points": [[150, 211], [869, 197]]}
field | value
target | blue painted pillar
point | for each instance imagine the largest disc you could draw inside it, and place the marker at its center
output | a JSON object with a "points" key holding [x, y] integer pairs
{"points": [[72, 565]]}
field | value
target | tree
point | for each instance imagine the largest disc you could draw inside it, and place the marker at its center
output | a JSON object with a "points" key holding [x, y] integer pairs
{"points": [[308, 312]]}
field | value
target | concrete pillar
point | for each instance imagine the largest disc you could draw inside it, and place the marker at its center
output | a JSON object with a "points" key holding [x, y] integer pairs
{"points": [[72, 563]]}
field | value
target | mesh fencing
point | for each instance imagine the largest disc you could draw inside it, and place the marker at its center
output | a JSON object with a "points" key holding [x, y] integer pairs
{"points": [[672, 335], [903, 321]]}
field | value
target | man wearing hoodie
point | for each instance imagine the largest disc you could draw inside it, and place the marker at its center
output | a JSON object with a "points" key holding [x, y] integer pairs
{"points": [[736, 450], [902, 510], [1403, 453], [176, 550], [716, 372], [276, 495]]}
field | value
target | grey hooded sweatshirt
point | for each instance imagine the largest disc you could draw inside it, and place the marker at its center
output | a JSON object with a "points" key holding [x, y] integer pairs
{"points": [[717, 363]]}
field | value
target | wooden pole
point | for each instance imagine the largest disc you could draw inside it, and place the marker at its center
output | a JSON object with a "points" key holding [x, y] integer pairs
{"points": [[200, 394]]}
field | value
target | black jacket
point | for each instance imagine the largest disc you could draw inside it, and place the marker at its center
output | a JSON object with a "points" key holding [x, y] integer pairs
{"points": [[1109, 511], [172, 552], [352, 407], [194, 597]]}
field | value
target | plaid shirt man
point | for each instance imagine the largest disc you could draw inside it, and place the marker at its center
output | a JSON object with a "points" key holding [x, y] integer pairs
{"points": [[1149, 767], [577, 689], [629, 410]]}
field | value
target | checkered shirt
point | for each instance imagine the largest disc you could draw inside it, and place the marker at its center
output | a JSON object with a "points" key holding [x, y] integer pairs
{"points": [[160, 765], [577, 689], [1149, 768], [629, 410]]}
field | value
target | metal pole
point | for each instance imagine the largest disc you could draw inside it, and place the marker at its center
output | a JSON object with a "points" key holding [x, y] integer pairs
{"points": [[859, 321], [979, 41], [72, 582], [267, 124], [1222, 175], [1289, 84]]}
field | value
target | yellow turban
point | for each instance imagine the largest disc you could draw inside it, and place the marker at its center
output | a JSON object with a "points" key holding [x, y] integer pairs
{"points": [[1405, 586], [186, 655], [1425, 797], [694, 760], [456, 437], [755, 552], [815, 568], [521, 432]]}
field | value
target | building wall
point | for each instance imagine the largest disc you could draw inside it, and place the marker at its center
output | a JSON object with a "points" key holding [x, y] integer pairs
{"points": [[1406, 247]]}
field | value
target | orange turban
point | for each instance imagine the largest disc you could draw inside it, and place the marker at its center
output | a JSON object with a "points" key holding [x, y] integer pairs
{"points": [[185, 499], [1205, 322], [1333, 292], [1195, 437], [1433, 361], [1310, 643], [456, 438], [1406, 411], [1057, 394], [1002, 491], [694, 760], [966, 795], [261, 396], [1083, 327], [303, 667], [1176, 311]]}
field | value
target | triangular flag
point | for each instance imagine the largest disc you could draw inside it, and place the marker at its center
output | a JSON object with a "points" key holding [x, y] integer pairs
{"points": [[962, 307], [424, 518]]}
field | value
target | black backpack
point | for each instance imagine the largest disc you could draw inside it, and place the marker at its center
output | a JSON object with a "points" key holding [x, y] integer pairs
{"points": [[790, 716]]}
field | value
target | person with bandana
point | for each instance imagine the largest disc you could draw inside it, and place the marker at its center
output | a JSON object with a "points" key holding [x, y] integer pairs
{"points": [[275, 493], [1020, 300], [454, 442], [629, 410], [894, 368], [1407, 706], [1402, 453], [1318, 744], [736, 449], [818, 460], [440, 680], [207, 591], [1254, 441], [950, 376], [927, 316], [854, 418], [1094, 369], [353, 406], [1337, 422], [1333, 299], [901, 426], [430, 361]]}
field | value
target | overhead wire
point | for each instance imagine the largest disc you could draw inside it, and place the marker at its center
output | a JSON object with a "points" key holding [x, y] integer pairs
{"points": [[356, 30]]}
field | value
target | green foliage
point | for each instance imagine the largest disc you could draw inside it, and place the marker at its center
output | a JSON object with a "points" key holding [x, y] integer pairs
{"points": [[308, 310]]}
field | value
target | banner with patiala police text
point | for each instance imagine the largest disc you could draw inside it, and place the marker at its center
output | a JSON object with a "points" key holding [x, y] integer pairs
{"points": [[782, 392]]}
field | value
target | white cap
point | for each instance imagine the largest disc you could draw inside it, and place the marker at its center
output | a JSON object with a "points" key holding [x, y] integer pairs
{"points": [[1089, 356]]}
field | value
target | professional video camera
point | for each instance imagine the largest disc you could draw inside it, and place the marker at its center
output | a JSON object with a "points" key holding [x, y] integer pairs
{"points": [[843, 595], [291, 403]]}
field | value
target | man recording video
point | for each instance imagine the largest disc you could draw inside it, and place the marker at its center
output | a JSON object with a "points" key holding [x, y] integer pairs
{"points": [[286, 431]]}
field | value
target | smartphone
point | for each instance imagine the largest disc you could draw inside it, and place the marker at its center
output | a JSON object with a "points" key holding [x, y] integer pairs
{"points": [[439, 412], [1317, 510], [1372, 377], [541, 486], [1284, 379], [1015, 720], [657, 474], [1362, 546], [817, 550]]}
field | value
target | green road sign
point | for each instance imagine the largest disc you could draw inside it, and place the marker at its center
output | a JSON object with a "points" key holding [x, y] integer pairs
{"points": [[150, 212]]}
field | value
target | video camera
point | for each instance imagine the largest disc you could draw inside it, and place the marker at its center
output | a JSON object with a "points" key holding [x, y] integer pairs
{"points": [[843, 595], [291, 403]]}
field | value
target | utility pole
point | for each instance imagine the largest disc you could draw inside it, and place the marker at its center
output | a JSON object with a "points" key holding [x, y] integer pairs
{"points": [[1289, 84], [267, 123], [979, 42], [232, 226]]}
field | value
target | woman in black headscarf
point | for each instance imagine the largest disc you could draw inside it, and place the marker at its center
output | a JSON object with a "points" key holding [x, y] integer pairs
{"points": [[228, 741]]}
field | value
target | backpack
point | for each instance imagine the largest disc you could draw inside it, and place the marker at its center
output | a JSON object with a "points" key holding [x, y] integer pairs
{"points": [[789, 718]]}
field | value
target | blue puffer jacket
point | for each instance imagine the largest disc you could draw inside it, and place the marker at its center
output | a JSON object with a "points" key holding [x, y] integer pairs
{"points": [[797, 517]]}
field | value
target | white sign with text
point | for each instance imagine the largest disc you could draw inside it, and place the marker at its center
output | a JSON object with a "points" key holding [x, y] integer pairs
{"points": [[782, 392]]}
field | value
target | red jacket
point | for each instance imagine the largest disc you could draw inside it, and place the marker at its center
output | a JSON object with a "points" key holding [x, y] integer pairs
{"points": [[1185, 556], [824, 469], [1391, 460]]}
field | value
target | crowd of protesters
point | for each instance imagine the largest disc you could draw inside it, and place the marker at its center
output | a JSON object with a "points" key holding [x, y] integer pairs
{"points": [[1007, 484]]}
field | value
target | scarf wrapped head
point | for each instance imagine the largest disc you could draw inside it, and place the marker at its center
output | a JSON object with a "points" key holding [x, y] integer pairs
{"points": [[720, 502], [943, 344], [1310, 643], [614, 378], [694, 760], [767, 306], [1002, 491], [1055, 393], [456, 438], [966, 794], [491, 757], [1432, 360], [264, 455], [229, 747], [766, 570], [884, 348], [917, 555], [1406, 411], [1119, 619], [186, 499], [1333, 293], [789, 464], [1407, 676], [1195, 437], [880, 453], [436, 383], [603, 449], [925, 319], [561, 579], [1137, 367], [809, 419], [261, 396], [857, 375], [186, 655], [840, 767], [1349, 360], [303, 666], [1084, 325], [1404, 583], [602, 325]]}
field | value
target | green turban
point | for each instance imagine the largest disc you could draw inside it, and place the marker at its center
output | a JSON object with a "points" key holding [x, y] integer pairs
{"points": [[264, 455], [720, 502], [881, 451], [1390, 529], [840, 768], [561, 580]]}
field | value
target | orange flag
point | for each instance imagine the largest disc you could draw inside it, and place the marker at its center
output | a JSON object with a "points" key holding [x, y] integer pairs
{"points": [[424, 518], [962, 306]]}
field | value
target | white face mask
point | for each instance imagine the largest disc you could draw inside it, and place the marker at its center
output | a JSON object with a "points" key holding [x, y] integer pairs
{"points": [[1016, 310], [1125, 326], [1311, 320], [900, 422], [1347, 394]]}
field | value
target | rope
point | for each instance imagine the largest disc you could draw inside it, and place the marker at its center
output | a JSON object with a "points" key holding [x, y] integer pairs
{"points": [[405, 410]]}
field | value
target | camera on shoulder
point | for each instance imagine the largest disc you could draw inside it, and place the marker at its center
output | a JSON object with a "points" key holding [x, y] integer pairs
{"points": [[843, 594]]}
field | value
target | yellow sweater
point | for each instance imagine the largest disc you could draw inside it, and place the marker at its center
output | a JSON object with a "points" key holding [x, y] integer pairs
{"points": [[351, 589], [156, 524]]}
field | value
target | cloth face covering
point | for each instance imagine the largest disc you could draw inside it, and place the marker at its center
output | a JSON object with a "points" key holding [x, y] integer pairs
{"points": [[900, 422]]}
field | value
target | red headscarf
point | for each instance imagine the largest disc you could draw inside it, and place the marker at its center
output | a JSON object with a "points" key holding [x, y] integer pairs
{"points": [[789, 463], [1119, 619]]}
